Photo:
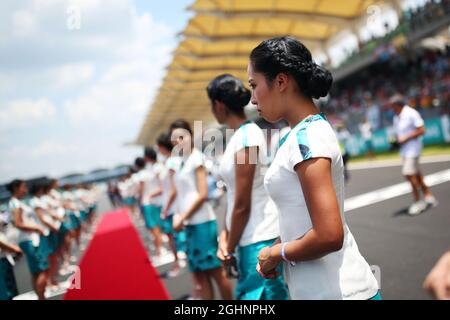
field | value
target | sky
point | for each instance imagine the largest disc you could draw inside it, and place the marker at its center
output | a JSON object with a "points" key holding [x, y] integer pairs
{"points": [[74, 91], [77, 78]]}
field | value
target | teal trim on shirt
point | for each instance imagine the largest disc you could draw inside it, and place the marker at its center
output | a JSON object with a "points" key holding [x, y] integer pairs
{"points": [[244, 133], [304, 124]]}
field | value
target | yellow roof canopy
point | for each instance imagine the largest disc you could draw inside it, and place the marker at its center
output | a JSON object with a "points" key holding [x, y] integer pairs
{"points": [[203, 47], [240, 28], [331, 8], [219, 38]]}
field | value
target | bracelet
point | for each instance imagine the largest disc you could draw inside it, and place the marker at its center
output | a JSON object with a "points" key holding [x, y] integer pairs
{"points": [[230, 255], [283, 254]]}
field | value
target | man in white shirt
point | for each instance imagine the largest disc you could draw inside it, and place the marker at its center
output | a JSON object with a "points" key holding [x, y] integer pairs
{"points": [[366, 133], [409, 128]]}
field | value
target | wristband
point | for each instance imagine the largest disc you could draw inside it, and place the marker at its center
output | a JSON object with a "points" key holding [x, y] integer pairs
{"points": [[283, 254], [231, 255]]}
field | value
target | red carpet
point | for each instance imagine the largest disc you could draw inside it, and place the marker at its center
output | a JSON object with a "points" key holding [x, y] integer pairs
{"points": [[115, 265]]}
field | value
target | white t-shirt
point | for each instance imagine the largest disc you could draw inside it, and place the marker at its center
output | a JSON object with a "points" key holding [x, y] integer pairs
{"points": [[3, 238], [35, 203], [343, 274], [263, 221], [150, 177], [28, 218], [133, 185], [55, 194], [69, 196], [187, 193], [54, 206], [172, 163], [275, 138], [90, 197], [57, 200], [82, 199], [6, 229], [123, 188], [366, 130], [404, 124]]}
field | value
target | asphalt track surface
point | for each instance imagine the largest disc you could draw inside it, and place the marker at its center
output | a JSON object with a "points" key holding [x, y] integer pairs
{"points": [[403, 247]]}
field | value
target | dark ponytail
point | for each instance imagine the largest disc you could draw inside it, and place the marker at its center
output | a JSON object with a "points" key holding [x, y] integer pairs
{"points": [[286, 54]]}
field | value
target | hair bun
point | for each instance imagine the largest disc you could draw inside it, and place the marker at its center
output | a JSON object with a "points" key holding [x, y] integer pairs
{"points": [[319, 83], [229, 90]]}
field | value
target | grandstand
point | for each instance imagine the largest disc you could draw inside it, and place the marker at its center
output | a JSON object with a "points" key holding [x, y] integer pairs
{"points": [[221, 34]]}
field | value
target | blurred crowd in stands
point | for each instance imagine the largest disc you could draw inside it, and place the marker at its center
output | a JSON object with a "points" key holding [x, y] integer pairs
{"points": [[363, 96], [415, 18], [412, 20]]}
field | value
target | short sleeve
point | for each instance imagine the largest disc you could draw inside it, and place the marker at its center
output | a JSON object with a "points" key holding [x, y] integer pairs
{"points": [[34, 203], [197, 160], [159, 168], [138, 177], [314, 141], [173, 163], [416, 119], [250, 136], [13, 204], [298, 148]]}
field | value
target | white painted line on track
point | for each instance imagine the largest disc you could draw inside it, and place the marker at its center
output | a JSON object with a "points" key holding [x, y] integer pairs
{"points": [[393, 191], [375, 164]]}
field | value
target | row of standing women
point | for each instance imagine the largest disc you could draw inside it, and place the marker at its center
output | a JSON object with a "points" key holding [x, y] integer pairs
{"points": [[285, 231], [285, 234], [43, 227]]}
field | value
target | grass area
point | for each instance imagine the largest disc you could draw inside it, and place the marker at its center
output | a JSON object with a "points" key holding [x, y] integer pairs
{"points": [[438, 149]]}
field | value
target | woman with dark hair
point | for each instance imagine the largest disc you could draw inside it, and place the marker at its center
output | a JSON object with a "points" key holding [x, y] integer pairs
{"points": [[30, 232], [251, 221], [170, 165], [8, 247], [67, 230], [197, 214], [48, 241], [149, 196], [306, 179], [55, 215], [125, 189], [131, 186], [69, 198]]}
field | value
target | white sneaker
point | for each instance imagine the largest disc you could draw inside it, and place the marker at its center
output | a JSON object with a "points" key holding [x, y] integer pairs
{"points": [[431, 201], [181, 255], [64, 271], [182, 263], [54, 287], [417, 208], [174, 272], [165, 252]]}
